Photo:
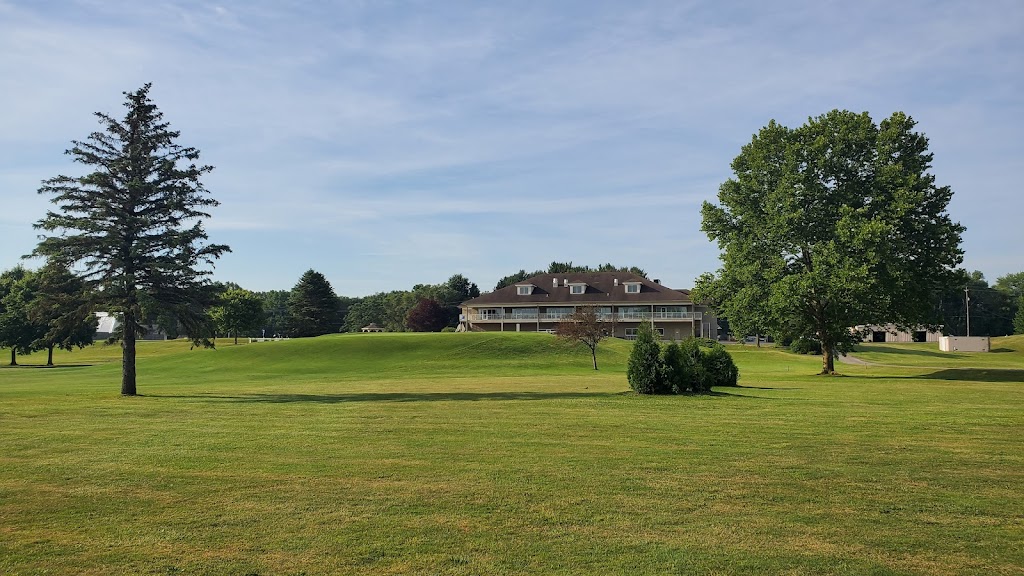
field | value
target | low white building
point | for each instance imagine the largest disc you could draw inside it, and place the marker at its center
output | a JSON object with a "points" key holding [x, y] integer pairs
{"points": [[965, 344], [107, 324], [890, 333]]}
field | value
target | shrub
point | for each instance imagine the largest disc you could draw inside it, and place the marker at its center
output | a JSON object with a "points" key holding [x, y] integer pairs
{"points": [[718, 367], [680, 369], [448, 329], [693, 357], [645, 372]]}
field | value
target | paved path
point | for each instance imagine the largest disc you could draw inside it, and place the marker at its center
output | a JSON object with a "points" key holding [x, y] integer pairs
{"points": [[850, 359]]}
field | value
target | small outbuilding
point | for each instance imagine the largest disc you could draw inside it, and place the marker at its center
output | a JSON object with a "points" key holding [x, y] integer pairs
{"points": [[372, 327], [965, 344]]}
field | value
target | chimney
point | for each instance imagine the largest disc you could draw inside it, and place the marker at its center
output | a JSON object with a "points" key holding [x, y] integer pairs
{"points": [[554, 282]]}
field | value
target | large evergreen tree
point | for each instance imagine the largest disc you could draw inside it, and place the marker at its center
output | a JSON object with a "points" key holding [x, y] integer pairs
{"points": [[644, 369], [312, 307], [133, 225], [830, 225]]}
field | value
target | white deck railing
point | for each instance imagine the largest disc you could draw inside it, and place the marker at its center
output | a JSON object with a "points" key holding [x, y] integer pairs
{"points": [[557, 317]]}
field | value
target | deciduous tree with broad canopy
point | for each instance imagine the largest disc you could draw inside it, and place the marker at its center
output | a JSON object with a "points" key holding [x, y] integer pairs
{"points": [[831, 225], [18, 331], [426, 316], [132, 226], [238, 310]]}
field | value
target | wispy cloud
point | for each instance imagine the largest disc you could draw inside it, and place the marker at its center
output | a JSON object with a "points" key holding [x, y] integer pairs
{"points": [[393, 144]]}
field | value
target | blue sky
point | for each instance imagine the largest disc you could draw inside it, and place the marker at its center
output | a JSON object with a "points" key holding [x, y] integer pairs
{"points": [[387, 144]]}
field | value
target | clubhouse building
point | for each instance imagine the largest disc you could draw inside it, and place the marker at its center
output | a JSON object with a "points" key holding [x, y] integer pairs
{"points": [[622, 300]]}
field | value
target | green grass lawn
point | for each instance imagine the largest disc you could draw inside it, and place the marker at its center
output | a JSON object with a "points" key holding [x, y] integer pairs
{"points": [[507, 454]]}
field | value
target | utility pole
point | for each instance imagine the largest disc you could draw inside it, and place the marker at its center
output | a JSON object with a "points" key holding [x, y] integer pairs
{"points": [[967, 305]]}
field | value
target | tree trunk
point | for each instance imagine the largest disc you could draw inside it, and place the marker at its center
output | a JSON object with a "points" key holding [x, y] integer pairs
{"points": [[827, 360], [757, 340], [593, 352], [236, 338], [128, 355], [49, 355], [14, 361]]}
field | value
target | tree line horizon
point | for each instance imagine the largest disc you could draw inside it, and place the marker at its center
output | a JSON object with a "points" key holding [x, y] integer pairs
{"points": [[832, 224]]}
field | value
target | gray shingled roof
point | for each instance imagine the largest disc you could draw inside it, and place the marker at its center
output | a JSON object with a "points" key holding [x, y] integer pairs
{"points": [[601, 288]]}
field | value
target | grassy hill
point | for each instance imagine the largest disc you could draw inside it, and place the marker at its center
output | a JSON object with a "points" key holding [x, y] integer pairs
{"points": [[506, 454]]}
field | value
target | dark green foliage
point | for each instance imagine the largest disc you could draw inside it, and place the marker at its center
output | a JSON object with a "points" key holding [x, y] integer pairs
{"points": [[680, 370], [365, 311], [312, 307], [1018, 319], [237, 312], [390, 310], [805, 345], [63, 306], [718, 368], [275, 312], [18, 332], [991, 309], [514, 278], [833, 224], [694, 366], [690, 350], [644, 371], [134, 224], [426, 316], [566, 268]]}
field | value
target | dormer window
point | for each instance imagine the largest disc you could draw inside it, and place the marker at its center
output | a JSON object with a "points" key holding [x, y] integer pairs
{"points": [[632, 287], [577, 288], [524, 289]]}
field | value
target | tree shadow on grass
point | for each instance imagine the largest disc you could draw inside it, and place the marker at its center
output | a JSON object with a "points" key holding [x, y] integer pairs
{"points": [[44, 366], [395, 397], [1013, 375], [721, 394], [976, 375], [417, 397]]}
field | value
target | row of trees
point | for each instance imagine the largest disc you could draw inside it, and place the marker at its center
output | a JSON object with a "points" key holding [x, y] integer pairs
{"points": [[566, 268], [43, 310], [995, 310]]}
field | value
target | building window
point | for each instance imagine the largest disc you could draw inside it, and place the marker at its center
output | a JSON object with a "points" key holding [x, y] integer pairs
{"points": [[524, 313], [524, 290], [577, 288], [632, 288], [631, 333], [556, 313], [490, 314]]}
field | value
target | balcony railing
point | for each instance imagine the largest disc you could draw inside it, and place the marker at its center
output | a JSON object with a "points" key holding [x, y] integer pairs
{"points": [[604, 317]]}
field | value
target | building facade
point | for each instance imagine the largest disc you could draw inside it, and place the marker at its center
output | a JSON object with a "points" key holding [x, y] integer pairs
{"points": [[890, 333], [622, 300]]}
